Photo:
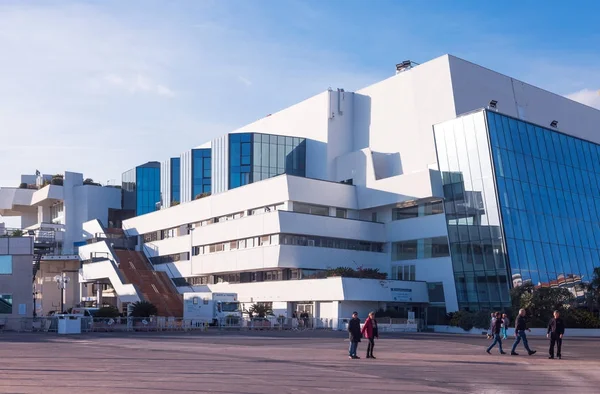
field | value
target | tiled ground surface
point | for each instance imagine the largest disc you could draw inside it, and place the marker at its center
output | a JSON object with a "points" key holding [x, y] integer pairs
{"points": [[286, 362]]}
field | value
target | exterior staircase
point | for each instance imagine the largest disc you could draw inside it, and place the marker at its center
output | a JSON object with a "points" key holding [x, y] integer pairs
{"points": [[156, 287]]}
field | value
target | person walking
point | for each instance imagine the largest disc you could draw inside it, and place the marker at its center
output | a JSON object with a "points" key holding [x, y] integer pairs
{"points": [[496, 328], [505, 325], [354, 335], [370, 331], [520, 328], [556, 330]]}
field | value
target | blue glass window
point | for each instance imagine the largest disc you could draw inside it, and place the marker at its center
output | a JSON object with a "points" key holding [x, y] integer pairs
{"points": [[147, 180], [201, 171], [175, 179], [254, 157]]}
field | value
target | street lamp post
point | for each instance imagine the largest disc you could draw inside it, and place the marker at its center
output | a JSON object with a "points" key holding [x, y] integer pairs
{"points": [[62, 280]]}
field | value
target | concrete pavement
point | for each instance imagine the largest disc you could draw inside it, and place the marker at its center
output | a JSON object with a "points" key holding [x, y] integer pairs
{"points": [[286, 362]]}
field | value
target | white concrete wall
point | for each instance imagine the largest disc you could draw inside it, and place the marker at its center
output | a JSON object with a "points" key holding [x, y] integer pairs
{"points": [[416, 228], [396, 115], [165, 183], [185, 172], [308, 119], [220, 164], [271, 191], [474, 86], [90, 202], [106, 269]]}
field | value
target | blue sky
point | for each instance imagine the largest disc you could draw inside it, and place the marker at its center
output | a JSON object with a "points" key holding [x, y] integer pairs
{"points": [[99, 87]]}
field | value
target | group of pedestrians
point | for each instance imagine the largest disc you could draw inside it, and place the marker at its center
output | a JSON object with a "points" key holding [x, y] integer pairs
{"points": [[499, 323], [498, 329], [369, 331]]}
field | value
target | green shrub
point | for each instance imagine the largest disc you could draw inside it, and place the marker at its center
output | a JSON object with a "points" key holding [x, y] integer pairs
{"points": [[107, 311], [580, 318], [469, 320]]}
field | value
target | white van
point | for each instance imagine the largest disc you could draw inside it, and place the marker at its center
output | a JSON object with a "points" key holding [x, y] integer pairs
{"points": [[88, 312]]}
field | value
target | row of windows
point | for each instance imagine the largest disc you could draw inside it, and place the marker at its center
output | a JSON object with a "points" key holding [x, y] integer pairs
{"points": [[471, 256], [538, 142], [481, 287], [253, 276], [311, 209], [170, 258], [404, 272], [415, 211], [201, 171], [528, 196], [545, 173], [254, 157], [290, 239], [424, 248], [182, 230], [297, 207]]}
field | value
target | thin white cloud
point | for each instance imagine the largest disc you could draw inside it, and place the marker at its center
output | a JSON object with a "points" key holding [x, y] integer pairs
{"points": [[133, 84], [586, 96], [245, 81]]}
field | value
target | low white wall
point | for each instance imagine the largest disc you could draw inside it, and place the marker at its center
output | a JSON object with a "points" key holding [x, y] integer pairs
{"points": [[535, 332]]}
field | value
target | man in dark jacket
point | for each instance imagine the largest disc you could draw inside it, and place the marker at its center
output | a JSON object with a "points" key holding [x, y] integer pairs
{"points": [[496, 328], [520, 328], [556, 330], [354, 335]]}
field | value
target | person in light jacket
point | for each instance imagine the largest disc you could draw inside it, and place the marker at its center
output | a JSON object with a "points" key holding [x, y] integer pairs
{"points": [[354, 335], [370, 331]]}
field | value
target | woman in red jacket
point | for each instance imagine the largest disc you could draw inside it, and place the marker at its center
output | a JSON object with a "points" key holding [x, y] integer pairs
{"points": [[370, 332]]}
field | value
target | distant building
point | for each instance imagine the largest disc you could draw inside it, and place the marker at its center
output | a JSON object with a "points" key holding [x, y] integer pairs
{"points": [[16, 255], [141, 189]]}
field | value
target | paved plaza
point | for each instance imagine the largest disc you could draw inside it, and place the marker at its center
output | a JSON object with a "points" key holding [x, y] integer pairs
{"points": [[286, 362]]}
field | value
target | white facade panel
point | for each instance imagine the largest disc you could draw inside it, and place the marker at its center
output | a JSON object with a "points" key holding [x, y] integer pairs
{"points": [[417, 228], [165, 183], [436, 270], [186, 176], [397, 114], [220, 164], [474, 86]]}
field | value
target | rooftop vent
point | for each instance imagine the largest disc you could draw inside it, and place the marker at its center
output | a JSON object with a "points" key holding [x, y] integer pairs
{"points": [[405, 65]]}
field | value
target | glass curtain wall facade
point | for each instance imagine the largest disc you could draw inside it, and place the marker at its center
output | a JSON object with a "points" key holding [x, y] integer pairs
{"points": [[147, 181], [175, 180], [549, 193], [128, 187], [201, 172], [476, 242], [545, 187], [254, 157]]}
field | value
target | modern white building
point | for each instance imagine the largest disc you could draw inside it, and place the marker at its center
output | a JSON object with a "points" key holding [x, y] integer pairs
{"points": [[405, 176], [60, 204], [52, 211]]}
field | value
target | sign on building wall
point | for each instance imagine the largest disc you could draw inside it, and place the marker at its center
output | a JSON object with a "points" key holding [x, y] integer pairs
{"points": [[401, 295]]}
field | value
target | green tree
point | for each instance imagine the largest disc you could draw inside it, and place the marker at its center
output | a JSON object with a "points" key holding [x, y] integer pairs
{"points": [[144, 309], [260, 310], [540, 302], [17, 233], [593, 291]]}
